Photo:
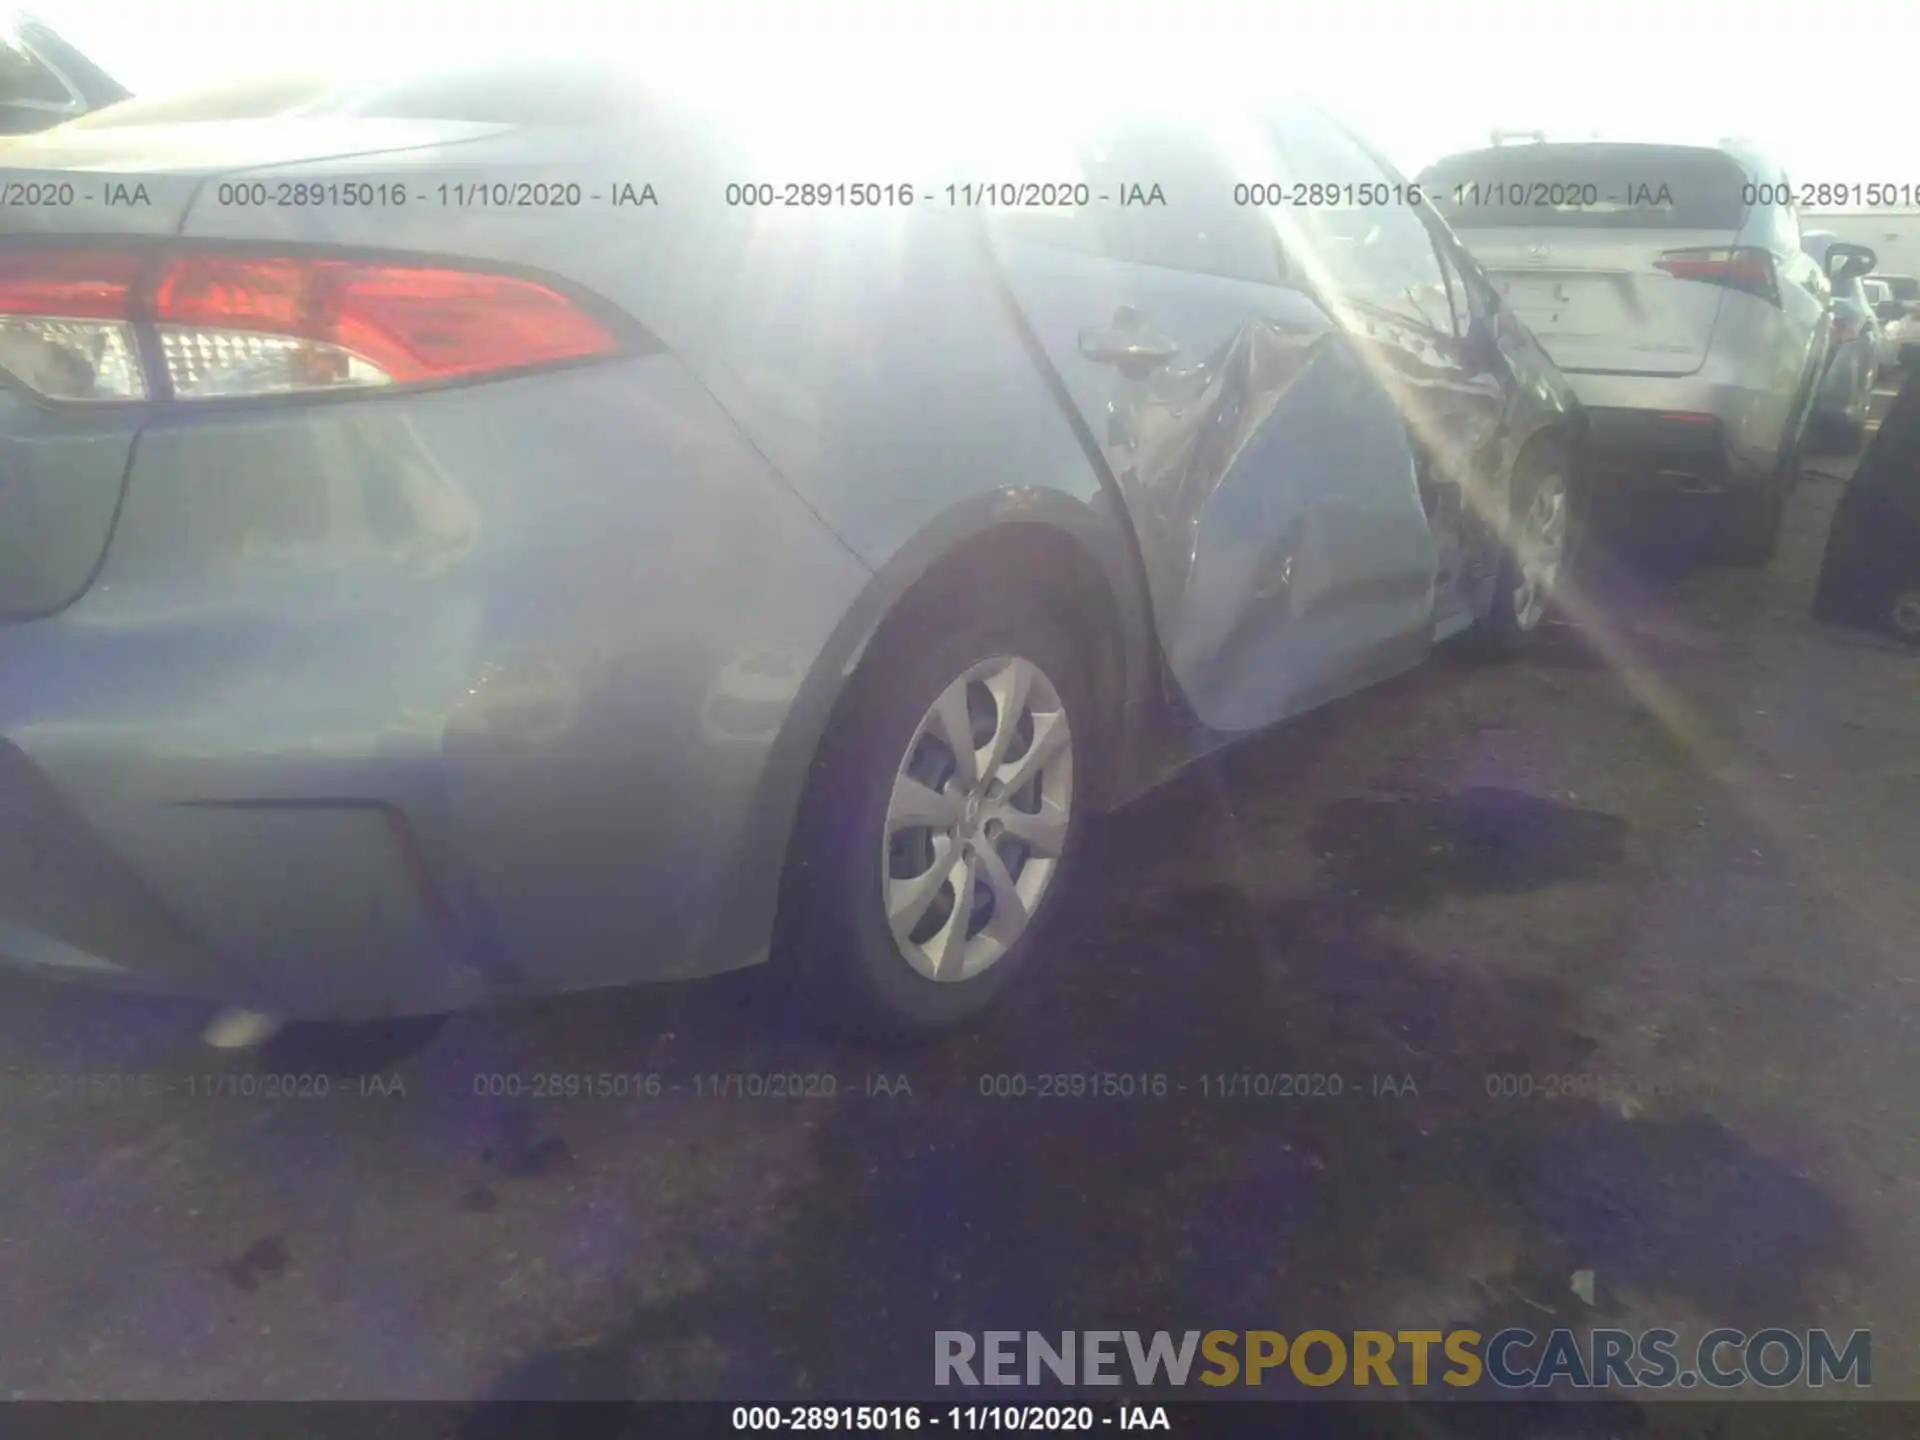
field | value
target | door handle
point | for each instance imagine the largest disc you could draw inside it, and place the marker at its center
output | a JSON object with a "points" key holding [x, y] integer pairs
{"points": [[1128, 342]]}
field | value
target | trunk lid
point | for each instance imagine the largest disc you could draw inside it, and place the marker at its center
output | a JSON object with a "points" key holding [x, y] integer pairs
{"points": [[1572, 237], [94, 178]]}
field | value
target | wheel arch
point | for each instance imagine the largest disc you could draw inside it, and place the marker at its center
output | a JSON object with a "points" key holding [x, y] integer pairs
{"points": [[1556, 430], [1564, 433], [1079, 550], [1569, 434]]}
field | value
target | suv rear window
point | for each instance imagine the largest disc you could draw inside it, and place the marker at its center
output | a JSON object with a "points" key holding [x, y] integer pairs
{"points": [[26, 80], [1588, 187]]}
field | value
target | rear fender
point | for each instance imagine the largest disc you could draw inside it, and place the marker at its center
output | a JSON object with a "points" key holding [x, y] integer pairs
{"points": [[1125, 681]]}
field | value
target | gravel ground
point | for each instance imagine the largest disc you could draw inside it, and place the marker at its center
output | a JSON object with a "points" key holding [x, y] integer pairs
{"points": [[1674, 849]]}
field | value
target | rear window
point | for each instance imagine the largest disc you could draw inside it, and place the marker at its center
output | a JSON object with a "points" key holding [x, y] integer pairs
{"points": [[1588, 187], [521, 93], [257, 97], [25, 79]]}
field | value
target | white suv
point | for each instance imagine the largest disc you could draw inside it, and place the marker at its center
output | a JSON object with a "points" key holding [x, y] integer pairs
{"points": [[1669, 284]]}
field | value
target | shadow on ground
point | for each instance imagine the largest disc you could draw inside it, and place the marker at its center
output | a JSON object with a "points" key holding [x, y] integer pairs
{"points": [[1190, 1211]]}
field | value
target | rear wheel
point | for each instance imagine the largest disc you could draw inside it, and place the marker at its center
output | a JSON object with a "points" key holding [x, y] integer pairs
{"points": [[1540, 543], [943, 816], [1844, 434], [1903, 615], [1754, 517], [1753, 525]]}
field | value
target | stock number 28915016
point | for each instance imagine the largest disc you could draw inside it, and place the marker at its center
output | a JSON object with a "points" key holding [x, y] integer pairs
{"points": [[1327, 194], [812, 194], [1073, 1085], [886, 1418], [297, 194], [556, 1085]]}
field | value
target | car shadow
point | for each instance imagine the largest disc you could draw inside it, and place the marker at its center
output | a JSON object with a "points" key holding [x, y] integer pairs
{"points": [[345, 1051], [1211, 1205]]}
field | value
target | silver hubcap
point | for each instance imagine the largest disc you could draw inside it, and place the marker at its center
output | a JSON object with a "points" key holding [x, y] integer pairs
{"points": [[1538, 551], [1906, 613], [978, 819]]}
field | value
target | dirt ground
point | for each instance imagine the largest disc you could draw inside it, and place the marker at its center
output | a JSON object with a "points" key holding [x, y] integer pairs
{"points": [[1674, 849]]}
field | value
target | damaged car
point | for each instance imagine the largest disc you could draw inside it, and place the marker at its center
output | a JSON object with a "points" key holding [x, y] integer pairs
{"points": [[492, 534]]}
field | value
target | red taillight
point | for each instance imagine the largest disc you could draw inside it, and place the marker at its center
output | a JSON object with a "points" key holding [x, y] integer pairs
{"points": [[233, 326], [75, 284], [236, 294], [1743, 268], [412, 322], [66, 324]]}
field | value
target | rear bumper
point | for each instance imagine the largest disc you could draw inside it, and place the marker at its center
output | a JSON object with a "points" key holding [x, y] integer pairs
{"points": [[309, 909], [1637, 452], [404, 705], [1683, 435], [69, 901]]}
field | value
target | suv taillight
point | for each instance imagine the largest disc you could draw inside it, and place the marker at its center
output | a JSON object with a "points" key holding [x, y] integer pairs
{"points": [[108, 326], [1745, 268]]}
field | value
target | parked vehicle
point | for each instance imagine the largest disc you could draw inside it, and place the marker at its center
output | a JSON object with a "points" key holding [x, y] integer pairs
{"points": [[1892, 316], [1846, 389], [1893, 233], [1906, 292], [482, 582], [1905, 288], [1670, 285], [45, 81], [1870, 575]]}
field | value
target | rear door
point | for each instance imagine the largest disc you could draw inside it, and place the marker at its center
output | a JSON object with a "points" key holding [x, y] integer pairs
{"points": [[1579, 240], [1265, 470]]}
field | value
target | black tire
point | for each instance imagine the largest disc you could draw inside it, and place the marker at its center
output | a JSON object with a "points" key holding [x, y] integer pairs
{"points": [[1849, 436], [834, 940], [1504, 631], [1754, 518], [1753, 523], [1902, 615]]}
